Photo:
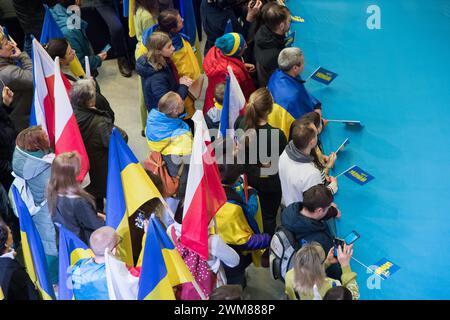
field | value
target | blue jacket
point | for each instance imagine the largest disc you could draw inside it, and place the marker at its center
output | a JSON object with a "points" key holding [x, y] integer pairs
{"points": [[155, 83], [77, 37], [291, 94], [305, 228]]}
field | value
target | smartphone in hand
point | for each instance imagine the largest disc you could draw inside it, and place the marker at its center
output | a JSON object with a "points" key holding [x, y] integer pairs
{"points": [[106, 48]]}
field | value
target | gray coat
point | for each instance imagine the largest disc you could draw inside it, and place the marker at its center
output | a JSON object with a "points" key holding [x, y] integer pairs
{"points": [[20, 80], [36, 172]]}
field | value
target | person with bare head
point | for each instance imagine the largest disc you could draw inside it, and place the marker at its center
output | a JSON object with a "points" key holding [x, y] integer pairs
{"points": [[89, 275], [69, 204]]}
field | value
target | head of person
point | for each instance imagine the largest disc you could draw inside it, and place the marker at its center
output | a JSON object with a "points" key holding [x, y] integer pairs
{"points": [[151, 6], [68, 3], [170, 21], [6, 238], [231, 44], [171, 105], [83, 94], [6, 47], [63, 179], [159, 48], [338, 293], [259, 106], [219, 92], [304, 136], [276, 17], [230, 172], [317, 201], [309, 269], [313, 117], [291, 61], [33, 139], [104, 238], [61, 48], [227, 292]]}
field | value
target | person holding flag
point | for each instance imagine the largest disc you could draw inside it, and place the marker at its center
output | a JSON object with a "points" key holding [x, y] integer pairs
{"points": [[227, 53], [239, 221], [15, 283], [288, 88], [268, 143]]}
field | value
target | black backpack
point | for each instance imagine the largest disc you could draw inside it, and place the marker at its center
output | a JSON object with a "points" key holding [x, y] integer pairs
{"points": [[282, 250]]}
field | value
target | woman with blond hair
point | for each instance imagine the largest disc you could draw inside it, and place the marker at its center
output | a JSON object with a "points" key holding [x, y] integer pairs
{"points": [[262, 173], [308, 281], [159, 74], [69, 204]]}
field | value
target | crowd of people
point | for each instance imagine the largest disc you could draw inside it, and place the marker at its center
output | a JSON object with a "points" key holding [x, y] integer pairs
{"points": [[291, 182]]}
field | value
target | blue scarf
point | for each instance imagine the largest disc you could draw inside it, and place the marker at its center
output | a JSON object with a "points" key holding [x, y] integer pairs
{"points": [[177, 39]]}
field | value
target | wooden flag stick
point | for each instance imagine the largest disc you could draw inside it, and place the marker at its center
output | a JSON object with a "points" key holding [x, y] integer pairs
{"points": [[345, 171], [198, 289]]}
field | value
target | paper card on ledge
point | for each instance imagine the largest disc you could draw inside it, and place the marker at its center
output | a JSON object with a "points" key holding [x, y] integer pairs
{"points": [[358, 175], [385, 268], [323, 75]]}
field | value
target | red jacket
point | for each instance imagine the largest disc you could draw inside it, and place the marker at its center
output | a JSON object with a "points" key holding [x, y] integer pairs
{"points": [[215, 67]]}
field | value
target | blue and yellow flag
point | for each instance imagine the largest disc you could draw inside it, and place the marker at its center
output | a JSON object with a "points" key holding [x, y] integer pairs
{"points": [[168, 135], [162, 266], [50, 30], [128, 11], [71, 249], [128, 188], [33, 251]]}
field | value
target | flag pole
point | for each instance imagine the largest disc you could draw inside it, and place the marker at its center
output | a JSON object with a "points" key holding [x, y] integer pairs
{"points": [[373, 271], [345, 171], [198, 289], [166, 206]]}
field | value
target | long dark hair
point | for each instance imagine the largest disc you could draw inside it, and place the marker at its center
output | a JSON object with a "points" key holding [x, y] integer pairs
{"points": [[57, 48], [259, 106], [151, 6], [168, 20]]}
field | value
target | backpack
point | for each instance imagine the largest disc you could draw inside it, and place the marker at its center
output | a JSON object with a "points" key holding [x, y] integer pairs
{"points": [[282, 249]]}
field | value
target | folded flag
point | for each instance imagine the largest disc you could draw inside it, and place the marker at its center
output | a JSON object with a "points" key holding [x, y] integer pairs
{"points": [[162, 266], [33, 251], [128, 188]]}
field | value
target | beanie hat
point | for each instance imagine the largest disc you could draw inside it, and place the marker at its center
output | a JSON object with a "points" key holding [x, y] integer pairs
{"points": [[230, 44]]}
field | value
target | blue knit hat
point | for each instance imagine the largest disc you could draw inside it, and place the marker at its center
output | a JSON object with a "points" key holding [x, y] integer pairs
{"points": [[230, 44]]}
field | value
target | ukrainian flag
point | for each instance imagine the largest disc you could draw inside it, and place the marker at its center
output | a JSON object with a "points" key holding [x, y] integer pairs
{"points": [[50, 30], [162, 266], [128, 11], [71, 249], [168, 135], [190, 27], [33, 251], [128, 188], [281, 119]]}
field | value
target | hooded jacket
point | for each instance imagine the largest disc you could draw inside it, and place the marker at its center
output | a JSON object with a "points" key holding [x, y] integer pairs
{"points": [[305, 228], [156, 83], [215, 67], [77, 37], [36, 172], [268, 46]]}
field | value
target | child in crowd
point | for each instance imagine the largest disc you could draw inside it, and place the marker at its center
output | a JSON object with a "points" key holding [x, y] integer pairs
{"points": [[212, 117]]}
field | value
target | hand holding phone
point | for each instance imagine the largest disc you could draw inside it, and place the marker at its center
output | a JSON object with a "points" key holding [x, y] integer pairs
{"points": [[348, 240], [106, 48]]}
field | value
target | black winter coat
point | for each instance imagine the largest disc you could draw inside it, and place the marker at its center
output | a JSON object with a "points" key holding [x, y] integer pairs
{"points": [[15, 282]]}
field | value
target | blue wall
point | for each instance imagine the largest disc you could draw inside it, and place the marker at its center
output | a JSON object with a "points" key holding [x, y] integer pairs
{"points": [[396, 81]]}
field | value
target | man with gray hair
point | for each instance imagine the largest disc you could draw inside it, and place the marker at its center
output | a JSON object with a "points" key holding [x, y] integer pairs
{"points": [[89, 275], [95, 126], [287, 87]]}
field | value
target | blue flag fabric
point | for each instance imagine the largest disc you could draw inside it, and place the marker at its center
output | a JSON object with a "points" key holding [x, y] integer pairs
{"points": [[190, 26], [33, 251], [50, 29], [324, 76]]}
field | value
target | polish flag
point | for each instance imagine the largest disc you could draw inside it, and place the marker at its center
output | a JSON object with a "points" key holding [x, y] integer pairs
{"points": [[52, 108], [204, 192]]}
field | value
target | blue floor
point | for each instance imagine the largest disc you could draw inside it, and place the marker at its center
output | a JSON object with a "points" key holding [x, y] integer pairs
{"points": [[397, 82]]}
